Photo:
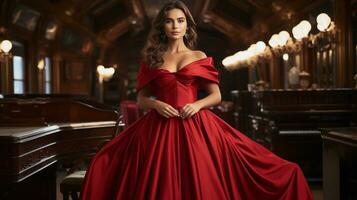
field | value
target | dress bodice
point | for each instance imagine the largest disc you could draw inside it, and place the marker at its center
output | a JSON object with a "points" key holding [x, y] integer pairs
{"points": [[181, 87]]}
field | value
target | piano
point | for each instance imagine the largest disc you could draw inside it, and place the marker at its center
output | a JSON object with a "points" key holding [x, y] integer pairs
{"points": [[289, 122], [39, 133]]}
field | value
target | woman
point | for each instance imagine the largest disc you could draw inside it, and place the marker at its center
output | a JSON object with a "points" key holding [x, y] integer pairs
{"points": [[180, 149]]}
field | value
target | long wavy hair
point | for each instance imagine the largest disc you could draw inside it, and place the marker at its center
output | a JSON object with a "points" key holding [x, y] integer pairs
{"points": [[157, 41]]}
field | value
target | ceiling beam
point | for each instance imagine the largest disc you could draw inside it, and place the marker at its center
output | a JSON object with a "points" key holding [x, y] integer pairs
{"points": [[83, 6], [50, 10], [234, 33], [200, 7], [116, 30], [138, 9]]}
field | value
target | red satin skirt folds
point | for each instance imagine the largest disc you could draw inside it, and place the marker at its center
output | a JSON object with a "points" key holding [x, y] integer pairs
{"points": [[198, 158]]}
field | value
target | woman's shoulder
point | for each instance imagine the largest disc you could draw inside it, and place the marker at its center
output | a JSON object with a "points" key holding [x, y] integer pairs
{"points": [[199, 54], [195, 55]]}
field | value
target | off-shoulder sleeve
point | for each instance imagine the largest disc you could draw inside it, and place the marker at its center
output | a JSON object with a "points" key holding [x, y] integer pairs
{"points": [[145, 75], [206, 71]]}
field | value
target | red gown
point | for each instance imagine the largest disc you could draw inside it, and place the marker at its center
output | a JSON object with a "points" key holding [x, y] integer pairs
{"points": [[197, 158]]}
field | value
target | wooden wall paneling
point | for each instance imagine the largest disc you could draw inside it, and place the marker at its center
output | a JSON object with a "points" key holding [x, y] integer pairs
{"points": [[277, 72], [75, 77], [56, 74], [5, 72], [264, 71], [271, 71], [342, 17]]}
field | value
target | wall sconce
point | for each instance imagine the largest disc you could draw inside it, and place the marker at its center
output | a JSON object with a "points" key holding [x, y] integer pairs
{"points": [[5, 47], [249, 57], [41, 64], [278, 42], [323, 22], [301, 30], [326, 38], [105, 73], [283, 43], [285, 56]]}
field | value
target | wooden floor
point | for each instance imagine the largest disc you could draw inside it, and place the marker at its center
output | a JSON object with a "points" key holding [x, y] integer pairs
{"points": [[316, 189]]}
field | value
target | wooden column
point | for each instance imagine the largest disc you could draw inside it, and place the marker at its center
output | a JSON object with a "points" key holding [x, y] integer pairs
{"points": [[344, 51], [56, 74], [5, 73], [276, 73]]}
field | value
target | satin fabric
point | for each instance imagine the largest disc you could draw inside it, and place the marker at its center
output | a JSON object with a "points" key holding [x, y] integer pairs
{"points": [[198, 158]]}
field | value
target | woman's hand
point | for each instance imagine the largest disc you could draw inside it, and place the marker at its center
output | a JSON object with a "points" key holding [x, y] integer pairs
{"points": [[166, 110], [189, 110]]}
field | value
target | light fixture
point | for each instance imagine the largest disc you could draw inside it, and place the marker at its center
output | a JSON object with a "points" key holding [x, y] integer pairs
{"points": [[285, 56], [301, 30], [41, 64], [5, 56], [274, 41], [5, 46], [261, 46], [277, 42], [250, 57], [283, 43], [326, 38], [323, 22], [283, 38], [105, 73]]}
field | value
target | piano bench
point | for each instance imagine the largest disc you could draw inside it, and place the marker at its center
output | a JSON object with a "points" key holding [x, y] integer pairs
{"points": [[72, 184]]}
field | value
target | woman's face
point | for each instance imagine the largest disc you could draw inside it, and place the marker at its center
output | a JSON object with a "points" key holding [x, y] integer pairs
{"points": [[175, 24]]}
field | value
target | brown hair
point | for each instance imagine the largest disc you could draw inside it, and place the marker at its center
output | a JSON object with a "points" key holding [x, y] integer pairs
{"points": [[157, 41]]}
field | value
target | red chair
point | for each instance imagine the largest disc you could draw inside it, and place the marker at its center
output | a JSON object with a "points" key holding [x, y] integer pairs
{"points": [[130, 111]]}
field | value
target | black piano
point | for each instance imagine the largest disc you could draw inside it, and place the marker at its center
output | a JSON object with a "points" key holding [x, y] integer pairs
{"points": [[40, 132], [288, 122]]}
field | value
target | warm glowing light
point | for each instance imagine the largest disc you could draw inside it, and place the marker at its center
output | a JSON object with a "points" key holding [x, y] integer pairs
{"points": [[286, 57], [260, 46], [274, 40], [323, 21], [252, 50], [105, 73], [306, 27], [283, 37], [5, 46], [228, 61], [41, 64], [301, 30]]}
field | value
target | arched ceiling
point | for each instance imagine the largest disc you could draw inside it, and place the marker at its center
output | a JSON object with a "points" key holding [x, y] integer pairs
{"points": [[242, 21], [234, 18]]}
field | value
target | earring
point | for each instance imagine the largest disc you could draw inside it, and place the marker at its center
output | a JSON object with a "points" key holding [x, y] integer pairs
{"points": [[186, 36]]}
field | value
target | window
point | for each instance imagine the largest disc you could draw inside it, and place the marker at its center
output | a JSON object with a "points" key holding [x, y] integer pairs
{"points": [[18, 74], [47, 75], [18, 67]]}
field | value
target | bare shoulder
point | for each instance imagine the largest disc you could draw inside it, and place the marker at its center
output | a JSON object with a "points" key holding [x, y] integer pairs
{"points": [[199, 54], [195, 55]]}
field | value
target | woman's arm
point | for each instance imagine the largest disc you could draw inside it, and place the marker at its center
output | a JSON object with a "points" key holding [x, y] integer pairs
{"points": [[164, 109], [213, 98]]}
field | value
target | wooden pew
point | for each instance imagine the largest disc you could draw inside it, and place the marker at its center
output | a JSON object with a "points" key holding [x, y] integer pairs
{"points": [[38, 133]]}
